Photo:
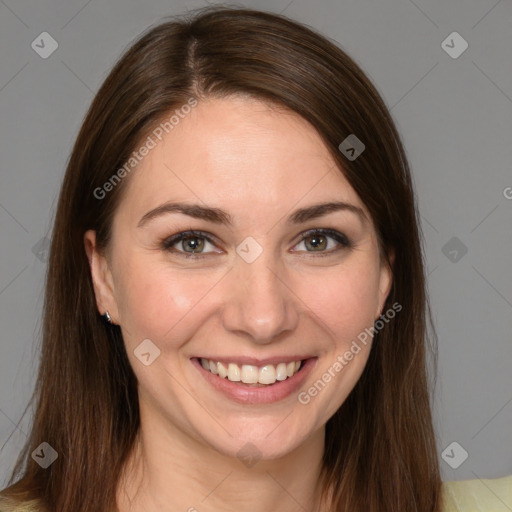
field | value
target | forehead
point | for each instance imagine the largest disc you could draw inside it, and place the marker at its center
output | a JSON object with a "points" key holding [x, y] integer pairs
{"points": [[241, 154]]}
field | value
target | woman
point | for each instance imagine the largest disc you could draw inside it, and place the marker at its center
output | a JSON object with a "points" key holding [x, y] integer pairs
{"points": [[197, 354]]}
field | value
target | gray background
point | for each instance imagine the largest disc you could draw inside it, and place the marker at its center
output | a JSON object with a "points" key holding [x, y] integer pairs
{"points": [[455, 117]]}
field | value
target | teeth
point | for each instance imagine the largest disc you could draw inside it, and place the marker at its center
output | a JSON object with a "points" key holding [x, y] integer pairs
{"points": [[233, 372], [250, 374], [213, 368], [267, 374], [281, 371], [223, 371]]}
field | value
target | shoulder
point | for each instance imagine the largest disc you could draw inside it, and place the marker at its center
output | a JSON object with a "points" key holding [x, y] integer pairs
{"points": [[479, 495], [8, 505]]}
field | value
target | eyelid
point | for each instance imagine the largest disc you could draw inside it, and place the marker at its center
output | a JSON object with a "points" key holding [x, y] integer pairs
{"points": [[168, 242], [338, 236]]}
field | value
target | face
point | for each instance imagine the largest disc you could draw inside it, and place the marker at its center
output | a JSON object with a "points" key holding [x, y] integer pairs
{"points": [[266, 277]]}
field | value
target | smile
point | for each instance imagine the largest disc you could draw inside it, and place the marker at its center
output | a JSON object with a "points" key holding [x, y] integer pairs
{"points": [[255, 384], [250, 374]]}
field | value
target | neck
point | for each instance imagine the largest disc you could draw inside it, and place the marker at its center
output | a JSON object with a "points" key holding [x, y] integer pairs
{"points": [[168, 470]]}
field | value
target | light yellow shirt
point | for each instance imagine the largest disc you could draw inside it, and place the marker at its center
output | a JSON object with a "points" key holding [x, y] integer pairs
{"points": [[479, 495]]}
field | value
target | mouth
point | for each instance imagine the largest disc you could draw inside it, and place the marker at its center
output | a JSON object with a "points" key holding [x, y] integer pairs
{"points": [[252, 383], [252, 375]]}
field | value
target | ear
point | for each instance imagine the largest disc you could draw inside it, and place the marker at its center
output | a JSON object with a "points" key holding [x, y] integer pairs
{"points": [[385, 281], [101, 277]]}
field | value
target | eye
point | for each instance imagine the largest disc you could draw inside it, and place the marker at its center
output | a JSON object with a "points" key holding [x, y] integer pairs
{"points": [[192, 242], [318, 241]]}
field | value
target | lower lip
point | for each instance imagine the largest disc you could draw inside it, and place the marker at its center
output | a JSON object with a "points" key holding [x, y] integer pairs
{"points": [[255, 395]]}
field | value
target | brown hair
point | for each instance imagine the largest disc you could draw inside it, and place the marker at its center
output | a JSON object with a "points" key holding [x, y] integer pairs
{"points": [[380, 452]]}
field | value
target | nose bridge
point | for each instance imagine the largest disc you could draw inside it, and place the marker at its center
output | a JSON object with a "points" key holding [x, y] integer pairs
{"points": [[260, 303]]}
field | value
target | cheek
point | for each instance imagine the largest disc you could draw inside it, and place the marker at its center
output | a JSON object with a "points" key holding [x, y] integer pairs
{"points": [[345, 299], [163, 304], [153, 300]]}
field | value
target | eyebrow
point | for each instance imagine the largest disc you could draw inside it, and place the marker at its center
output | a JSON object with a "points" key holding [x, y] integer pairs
{"points": [[219, 216]]}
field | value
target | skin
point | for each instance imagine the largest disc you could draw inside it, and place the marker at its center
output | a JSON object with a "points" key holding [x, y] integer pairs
{"points": [[259, 164]]}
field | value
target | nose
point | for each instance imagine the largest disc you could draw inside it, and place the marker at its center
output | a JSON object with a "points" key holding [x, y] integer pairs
{"points": [[259, 302]]}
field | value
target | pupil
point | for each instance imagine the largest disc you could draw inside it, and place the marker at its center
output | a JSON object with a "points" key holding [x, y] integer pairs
{"points": [[193, 243], [316, 241]]}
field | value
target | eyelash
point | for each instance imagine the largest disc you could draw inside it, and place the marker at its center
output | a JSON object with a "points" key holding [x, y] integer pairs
{"points": [[342, 239]]}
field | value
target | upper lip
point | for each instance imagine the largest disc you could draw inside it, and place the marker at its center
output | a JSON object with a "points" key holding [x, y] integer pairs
{"points": [[254, 361]]}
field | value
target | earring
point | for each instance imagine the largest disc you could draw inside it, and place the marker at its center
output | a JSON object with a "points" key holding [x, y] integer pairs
{"points": [[107, 317]]}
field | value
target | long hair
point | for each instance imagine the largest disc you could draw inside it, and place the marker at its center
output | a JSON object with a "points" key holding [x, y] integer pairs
{"points": [[380, 450]]}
